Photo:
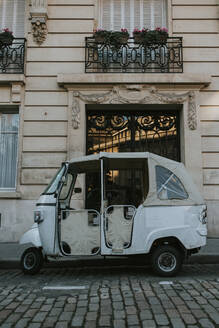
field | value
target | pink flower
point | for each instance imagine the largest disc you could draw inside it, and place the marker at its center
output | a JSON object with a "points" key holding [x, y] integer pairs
{"points": [[98, 30], [136, 30], [6, 30], [124, 30], [164, 29]]}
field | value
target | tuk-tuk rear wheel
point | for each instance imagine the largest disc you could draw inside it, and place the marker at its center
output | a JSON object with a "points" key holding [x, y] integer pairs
{"points": [[166, 260], [31, 261]]}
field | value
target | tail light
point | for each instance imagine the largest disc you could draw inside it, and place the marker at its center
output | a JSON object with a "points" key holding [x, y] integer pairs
{"points": [[203, 215]]}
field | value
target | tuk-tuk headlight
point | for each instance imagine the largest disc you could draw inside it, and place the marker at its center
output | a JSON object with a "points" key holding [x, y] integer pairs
{"points": [[38, 216]]}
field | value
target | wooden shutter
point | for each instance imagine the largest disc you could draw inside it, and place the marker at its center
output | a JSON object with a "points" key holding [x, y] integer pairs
{"points": [[12, 15], [117, 14]]}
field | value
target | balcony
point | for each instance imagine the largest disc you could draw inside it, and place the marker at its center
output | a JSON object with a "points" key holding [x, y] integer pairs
{"points": [[12, 57], [133, 57]]}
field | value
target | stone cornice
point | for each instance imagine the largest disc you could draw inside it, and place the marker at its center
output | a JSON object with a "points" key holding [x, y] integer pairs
{"points": [[197, 80]]}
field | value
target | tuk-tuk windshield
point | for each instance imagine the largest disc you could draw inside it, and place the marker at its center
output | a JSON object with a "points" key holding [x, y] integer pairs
{"points": [[52, 187]]}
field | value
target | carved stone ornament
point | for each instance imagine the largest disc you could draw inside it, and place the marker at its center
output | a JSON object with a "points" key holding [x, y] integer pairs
{"points": [[39, 29], [38, 14], [152, 97]]}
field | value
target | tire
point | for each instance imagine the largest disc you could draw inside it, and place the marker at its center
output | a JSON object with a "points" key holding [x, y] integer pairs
{"points": [[166, 261], [66, 248], [31, 261]]}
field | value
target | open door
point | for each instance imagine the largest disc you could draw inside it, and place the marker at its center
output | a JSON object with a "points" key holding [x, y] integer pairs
{"points": [[79, 227], [125, 186], [80, 232], [118, 226]]}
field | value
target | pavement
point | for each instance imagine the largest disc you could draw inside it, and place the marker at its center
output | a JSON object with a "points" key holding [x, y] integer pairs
{"points": [[103, 297], [98, 293]]}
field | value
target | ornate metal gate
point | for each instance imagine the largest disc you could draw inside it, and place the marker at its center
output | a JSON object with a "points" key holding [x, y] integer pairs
{"points": [[129, 131], [156, 132]]}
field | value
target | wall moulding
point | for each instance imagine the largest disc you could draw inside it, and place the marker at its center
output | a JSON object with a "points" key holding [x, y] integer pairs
{"points": [[38, 17], [134, 94], [134, 89]]}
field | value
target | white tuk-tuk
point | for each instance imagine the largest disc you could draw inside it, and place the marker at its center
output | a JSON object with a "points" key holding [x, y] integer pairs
{"points": [[118, 204]]}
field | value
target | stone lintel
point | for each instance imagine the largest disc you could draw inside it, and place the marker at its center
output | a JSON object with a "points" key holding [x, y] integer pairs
{"points": [[10, 194], [12, 78], [198, 80]]}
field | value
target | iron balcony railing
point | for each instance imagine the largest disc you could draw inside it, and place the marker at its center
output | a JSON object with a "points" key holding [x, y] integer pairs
{"points": [[12, 57], [134, 57]]}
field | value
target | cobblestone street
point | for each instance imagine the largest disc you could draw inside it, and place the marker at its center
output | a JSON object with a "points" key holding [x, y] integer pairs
{"points": [[109, 296]]}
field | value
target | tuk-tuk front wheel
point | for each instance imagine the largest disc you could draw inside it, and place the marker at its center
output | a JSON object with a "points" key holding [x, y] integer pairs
{"points": [[31, 261], [166, 260]]}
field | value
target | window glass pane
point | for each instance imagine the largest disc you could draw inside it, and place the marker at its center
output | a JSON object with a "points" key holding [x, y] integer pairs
{"points": [[125, 187], [168, 185], [8, 149], [66, 187], [130, 14], [52, 187], [12, 14]]}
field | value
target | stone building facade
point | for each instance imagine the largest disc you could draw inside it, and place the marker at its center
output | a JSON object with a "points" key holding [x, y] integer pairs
{"points": [[64, 82]]}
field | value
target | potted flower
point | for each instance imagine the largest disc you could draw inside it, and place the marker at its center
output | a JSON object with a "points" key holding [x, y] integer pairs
{"points": [[101, 36], [162, 35], [119, 37], [6, 37], [148, 37], [137, 34]]}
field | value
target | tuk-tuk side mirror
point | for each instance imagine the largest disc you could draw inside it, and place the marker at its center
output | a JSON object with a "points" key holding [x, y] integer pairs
{"points": [[78, 190]]}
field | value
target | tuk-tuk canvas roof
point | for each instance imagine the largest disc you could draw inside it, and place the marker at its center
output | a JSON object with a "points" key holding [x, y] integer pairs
{"points": [[194, 196], [177, 168]]}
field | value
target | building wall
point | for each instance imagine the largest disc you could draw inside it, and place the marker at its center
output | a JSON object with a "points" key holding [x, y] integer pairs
{"points": [[197, 22], [45, 109]]}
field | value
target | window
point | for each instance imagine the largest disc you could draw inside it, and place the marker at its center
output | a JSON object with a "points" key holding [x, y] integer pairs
{"points": [[130, 14], [8, 149], [168, 185], [12, 14]]}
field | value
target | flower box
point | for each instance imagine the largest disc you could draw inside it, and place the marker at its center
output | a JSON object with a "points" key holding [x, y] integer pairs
{"points": [[115, 38], [6, 38], [101, 36], [119, 37], [151, 37]]}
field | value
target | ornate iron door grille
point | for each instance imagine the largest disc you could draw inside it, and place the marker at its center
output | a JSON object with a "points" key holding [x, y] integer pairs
{"points": [[132, 131], [128, 131]]}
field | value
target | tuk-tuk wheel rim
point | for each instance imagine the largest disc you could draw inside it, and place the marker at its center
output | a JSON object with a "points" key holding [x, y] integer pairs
{"points": [[167, 262], [30, 260]]}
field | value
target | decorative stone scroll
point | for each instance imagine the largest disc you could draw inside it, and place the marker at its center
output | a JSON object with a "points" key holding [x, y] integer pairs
{"points": [[38, 14], [152, 97]]}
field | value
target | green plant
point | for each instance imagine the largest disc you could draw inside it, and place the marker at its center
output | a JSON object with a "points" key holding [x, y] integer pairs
{"points": [[6, 37], [101, 35], [119, 37], [146, 36], [115, 38]]}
